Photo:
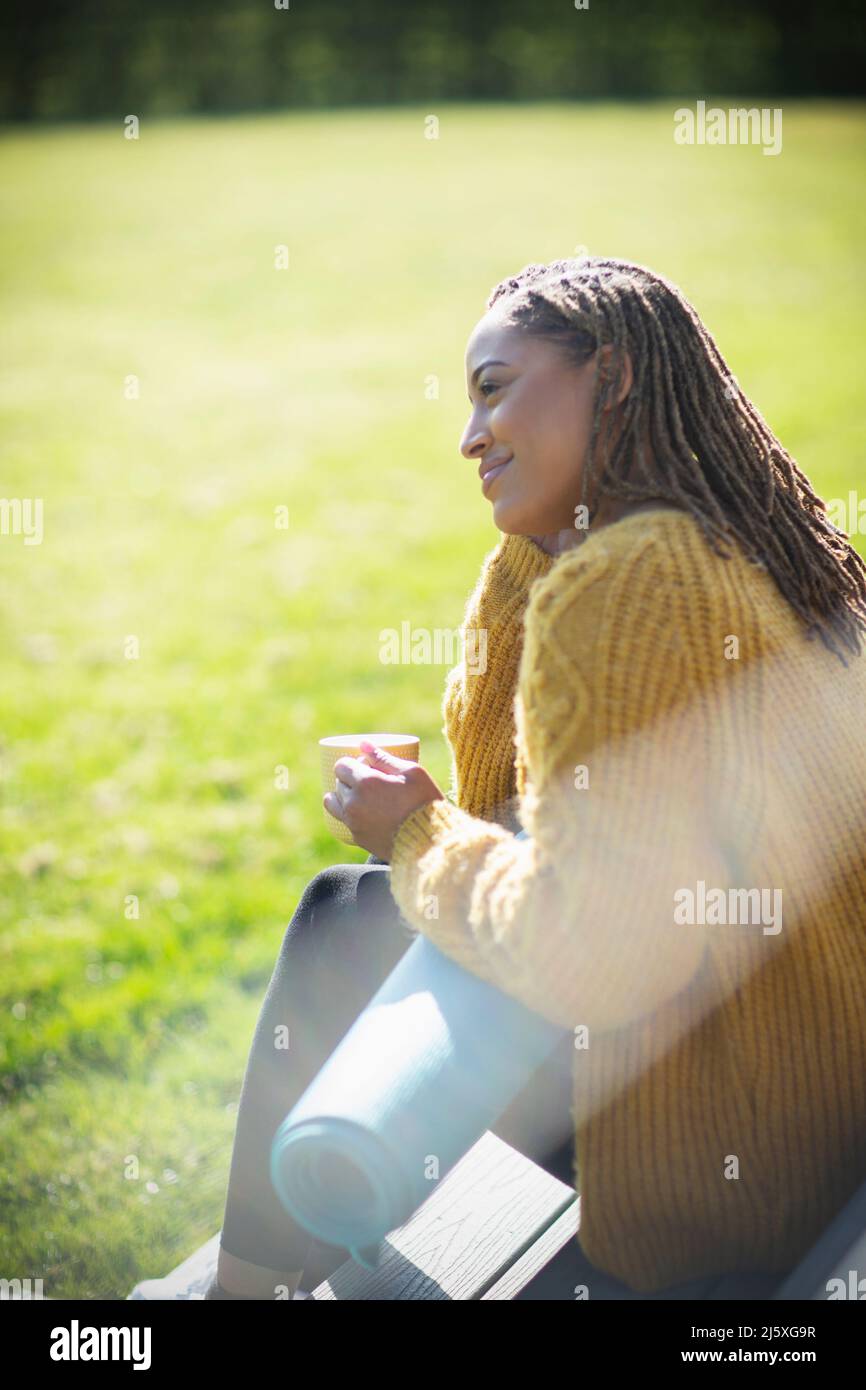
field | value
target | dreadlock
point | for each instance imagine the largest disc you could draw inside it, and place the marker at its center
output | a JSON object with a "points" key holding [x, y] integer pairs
{"points": [[715, 455]]}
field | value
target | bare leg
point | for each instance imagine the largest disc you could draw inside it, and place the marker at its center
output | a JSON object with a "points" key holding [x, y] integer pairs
{"points": [[246, 1280]]}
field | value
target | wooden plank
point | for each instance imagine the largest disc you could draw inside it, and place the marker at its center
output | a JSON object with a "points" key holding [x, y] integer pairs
{"points": [[486, 1214], [548, 1245]]}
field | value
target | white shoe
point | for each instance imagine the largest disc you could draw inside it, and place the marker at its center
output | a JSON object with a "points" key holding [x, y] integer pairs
{"points": [[190, 1280]]}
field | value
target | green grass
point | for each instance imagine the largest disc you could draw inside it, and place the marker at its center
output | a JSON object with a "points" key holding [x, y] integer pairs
{"points": [[124, 1038]]}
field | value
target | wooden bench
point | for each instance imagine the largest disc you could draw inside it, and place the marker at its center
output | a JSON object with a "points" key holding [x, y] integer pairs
{"points": [[484, 1232], [494, 1222]]}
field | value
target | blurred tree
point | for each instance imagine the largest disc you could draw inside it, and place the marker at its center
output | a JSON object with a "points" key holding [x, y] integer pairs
{"points": [[99, 58]]}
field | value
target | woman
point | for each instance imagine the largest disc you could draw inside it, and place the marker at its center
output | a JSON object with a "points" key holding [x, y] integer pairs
{"points": [[687, 764]]}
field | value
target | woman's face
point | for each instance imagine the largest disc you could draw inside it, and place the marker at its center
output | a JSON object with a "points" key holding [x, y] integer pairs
{"points": [[532, 411]]}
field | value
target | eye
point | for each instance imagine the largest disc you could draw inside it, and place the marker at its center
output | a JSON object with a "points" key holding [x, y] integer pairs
{"points": [[482, 388]]}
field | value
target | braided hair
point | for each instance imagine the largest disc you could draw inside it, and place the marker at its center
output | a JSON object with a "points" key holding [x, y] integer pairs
{"points": [[714, 454]]}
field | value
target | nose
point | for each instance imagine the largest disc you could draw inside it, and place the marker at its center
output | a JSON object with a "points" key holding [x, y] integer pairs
{"points": [[475, 441]]}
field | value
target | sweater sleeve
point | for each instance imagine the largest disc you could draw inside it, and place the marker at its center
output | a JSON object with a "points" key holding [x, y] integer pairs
{"points": [[478, 700], [578, 921]]}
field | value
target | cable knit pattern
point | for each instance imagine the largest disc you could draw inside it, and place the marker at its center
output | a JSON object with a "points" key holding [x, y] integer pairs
{"points": [[483, 780], [719, 1096]]}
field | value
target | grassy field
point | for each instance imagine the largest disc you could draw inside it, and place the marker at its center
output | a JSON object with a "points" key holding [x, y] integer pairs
{"points": [[149, 779]]}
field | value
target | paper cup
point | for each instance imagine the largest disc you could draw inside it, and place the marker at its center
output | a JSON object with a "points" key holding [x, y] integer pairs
{"points": [[338, 746]]}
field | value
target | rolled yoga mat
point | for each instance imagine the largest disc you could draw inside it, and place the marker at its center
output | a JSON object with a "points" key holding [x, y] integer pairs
{"points": [[429, 1065]]}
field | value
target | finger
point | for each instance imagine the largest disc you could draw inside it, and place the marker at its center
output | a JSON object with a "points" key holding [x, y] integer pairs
{"points": [[339, 800], [382, 759], [378, 774], [348, 772]]}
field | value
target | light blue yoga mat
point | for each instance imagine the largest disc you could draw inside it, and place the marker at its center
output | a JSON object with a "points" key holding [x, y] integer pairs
{"points": [[429, 1065]]}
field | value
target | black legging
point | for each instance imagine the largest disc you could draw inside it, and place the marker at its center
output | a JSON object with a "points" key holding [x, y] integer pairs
{"points": [[343, 941]]}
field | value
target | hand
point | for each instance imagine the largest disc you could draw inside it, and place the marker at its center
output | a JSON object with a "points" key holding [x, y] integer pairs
{"points": [[557, 541], [374, 795]]}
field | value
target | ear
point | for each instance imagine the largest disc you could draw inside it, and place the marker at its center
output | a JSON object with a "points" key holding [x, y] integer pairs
{"points": [[604, 359]]}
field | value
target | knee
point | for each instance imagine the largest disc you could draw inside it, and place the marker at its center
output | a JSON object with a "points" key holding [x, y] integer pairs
{"points": [[324, 888], [337, 893], [322, 901], [306, 930], [325, 883]]}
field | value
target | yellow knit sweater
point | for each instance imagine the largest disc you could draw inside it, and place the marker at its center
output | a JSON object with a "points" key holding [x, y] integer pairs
{"points": [[654, 716]]}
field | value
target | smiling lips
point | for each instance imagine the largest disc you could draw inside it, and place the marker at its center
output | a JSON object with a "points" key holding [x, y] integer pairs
{"points": [[488, 472]]}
